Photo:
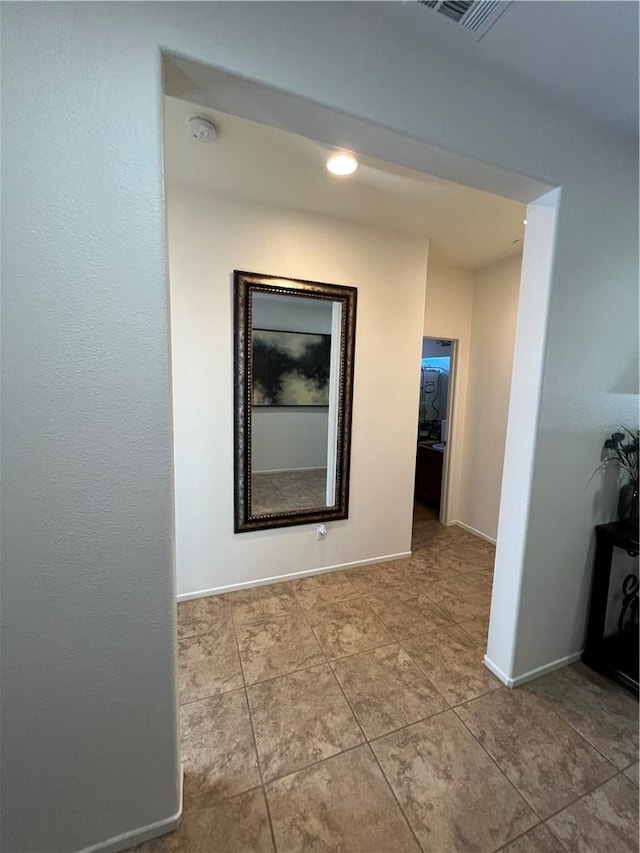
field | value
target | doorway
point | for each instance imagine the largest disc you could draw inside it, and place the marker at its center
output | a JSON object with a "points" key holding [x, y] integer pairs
{"points": [[435, 409], [248, 102]]}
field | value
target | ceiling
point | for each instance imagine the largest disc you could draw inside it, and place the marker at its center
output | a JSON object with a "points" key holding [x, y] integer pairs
{"points": [[581, 54], [257, 163]]}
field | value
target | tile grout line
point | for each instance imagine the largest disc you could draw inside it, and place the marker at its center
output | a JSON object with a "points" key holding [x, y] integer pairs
{"points": [[587, 793], [448, 707], [375, 757], [288, 672], [330, 662], [547, 705], [524, 797], [395, 797], [426, 674], [393, 639], [253, 733], [311, 628], [518, 837], [365, 742], [303, 610], [540, 821], [216, 803], [545, 821], [501, 771], [219, 692], [278, 675], [341, 690], [264, 788], [390, 630], [217, 695]]}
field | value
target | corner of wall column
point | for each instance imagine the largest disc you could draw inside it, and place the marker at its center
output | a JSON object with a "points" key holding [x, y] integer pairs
{"points": [[522, 435]]}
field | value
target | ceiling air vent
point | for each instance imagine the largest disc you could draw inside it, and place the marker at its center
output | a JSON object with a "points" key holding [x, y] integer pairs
{"points": [[474, 15]]}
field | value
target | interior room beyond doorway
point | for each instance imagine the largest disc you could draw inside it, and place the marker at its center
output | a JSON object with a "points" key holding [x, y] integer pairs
{"points": [[435, 389]]}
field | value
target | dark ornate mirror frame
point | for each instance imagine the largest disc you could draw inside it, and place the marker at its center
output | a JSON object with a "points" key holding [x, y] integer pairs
{"points": [[245, 284]]}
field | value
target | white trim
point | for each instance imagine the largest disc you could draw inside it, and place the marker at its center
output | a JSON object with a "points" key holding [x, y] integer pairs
{"points": [[533, 673], [446, 491], [216, 590], [474, 531], [144, 833], [334, 402]]}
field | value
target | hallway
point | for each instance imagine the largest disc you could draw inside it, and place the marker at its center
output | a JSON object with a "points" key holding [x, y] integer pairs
{"points": [[352, 712]]}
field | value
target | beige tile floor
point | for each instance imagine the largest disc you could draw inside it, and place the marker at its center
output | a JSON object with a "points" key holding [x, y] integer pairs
{"points": [[352, 712]]}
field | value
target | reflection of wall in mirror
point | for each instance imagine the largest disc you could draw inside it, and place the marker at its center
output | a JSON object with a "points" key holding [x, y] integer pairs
{"points": [[286, 437]]}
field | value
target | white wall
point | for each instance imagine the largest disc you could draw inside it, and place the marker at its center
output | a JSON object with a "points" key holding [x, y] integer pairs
{"points": [[208, 239], [289, 438], [88, 695], [291, 314], [493, 331], [447, 314], [479, 309], [89, 710]]}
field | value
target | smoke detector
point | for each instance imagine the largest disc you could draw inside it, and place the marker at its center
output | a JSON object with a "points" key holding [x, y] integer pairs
{"points": [[202, 129]]}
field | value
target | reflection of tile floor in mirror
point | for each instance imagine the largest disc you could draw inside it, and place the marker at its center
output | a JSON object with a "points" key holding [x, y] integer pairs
{"points": [[282, 491], [351, 712]]}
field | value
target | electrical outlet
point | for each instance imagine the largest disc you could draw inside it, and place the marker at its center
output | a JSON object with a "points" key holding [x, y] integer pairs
{"points": [[321, 531]]}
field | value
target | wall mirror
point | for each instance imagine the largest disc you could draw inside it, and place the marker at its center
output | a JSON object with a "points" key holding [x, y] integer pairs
{"points": [[293, 379]]}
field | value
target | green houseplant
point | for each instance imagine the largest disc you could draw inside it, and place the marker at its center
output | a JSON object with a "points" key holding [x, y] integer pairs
{"points": [[621, 449]]}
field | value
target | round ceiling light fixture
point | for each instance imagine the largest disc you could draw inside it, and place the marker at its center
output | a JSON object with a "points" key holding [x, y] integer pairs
{"points": [[202, 129], [342, 163]]}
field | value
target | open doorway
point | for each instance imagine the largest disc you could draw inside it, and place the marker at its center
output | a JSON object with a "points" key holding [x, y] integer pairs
{"points": [[227, 213], [229, 209], [434, 422], [401, 213]]}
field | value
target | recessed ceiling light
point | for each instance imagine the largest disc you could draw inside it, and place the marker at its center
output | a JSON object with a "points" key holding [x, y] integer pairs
{"points": [[524, 221], [342, 163]]}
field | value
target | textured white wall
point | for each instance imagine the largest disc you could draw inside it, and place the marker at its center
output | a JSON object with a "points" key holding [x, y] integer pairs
{"points": [[493, 330], [88, 615], [88, 625], [208, 238]]}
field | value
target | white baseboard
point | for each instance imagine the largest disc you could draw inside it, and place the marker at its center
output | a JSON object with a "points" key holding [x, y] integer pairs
{"points": [[475, 532], [216, 590], [533, 673], [144, 833]]}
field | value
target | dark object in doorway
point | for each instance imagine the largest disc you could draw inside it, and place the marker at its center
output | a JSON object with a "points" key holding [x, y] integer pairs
{"points": [[614, 655], [429, 475]]}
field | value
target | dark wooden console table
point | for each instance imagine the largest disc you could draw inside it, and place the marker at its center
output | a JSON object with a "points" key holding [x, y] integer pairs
{"points": [[615, 656]]}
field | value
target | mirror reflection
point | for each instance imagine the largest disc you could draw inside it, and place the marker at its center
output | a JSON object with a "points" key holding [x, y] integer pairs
{"points": [[291, 367], [294, 366]]}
